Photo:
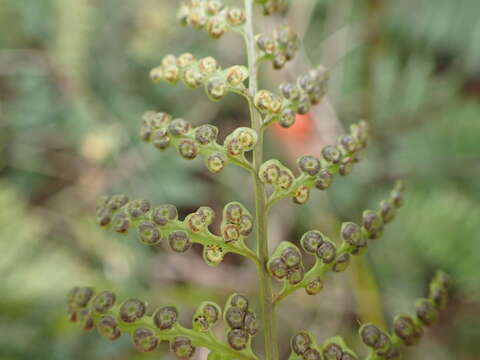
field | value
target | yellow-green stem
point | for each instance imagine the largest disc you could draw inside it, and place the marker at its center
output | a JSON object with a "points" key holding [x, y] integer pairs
{"points": [[265, 283]]}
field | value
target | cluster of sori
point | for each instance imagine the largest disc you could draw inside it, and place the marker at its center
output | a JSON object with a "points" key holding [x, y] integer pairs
{"points": [[316, 172], [273, 172], [241, 322], [408, 330], [278, 47], [272, 6], [211, 15], [286, 261], [237, 222], [100, 310], [206, 71], [162, 131], [296, 98], [383, 345], [304, 346], [206, 316], [155, 224]]}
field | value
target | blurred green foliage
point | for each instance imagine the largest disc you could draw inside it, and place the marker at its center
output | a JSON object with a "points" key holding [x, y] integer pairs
{"points": [[73, 84]]}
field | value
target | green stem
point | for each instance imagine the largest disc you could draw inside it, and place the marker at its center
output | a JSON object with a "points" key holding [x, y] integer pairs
{"points": [[265, 283]]}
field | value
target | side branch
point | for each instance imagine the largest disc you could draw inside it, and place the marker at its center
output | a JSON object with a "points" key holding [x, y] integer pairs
{"points": [[286, 262], [161, 223], [101, 310]]}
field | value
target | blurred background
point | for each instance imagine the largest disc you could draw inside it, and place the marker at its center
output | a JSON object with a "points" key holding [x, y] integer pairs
{"points": [[74, 84]]}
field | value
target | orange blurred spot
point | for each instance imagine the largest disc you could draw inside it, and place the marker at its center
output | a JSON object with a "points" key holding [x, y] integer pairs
{"points": [[300, 131]]}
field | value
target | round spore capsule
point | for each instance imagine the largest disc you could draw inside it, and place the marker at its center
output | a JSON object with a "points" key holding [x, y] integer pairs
{"points": [[148, 233], [233, 146], [309, 165], [348, 143], [300, 342], [82, 296], [387, 211], [287, 118], [138, 208], [311, 354], [121, 222], [207, 213], [247, 138], [327, 252], [179, 241], [332, 351], [278, 268], [163, 214], [211, 312], [103, 217], [188, 149], [179, 127], [302, 194], [108, 328], [213, 255], [216, 89], [404, 328], [182, 347], [351, 233], [145, 340], [314, 286], [185, 59], [117, 201], [235, 317], [215, 162], [371, 221], [239, 301], [348, 356], [426, 311], [290, 91], [201, 324], [310, 241], [165, 317], [208, 65], [235, 75], [230, 233], [206, 134], [342, 262], [295, 275], [192, 78], [216, 27], [291, 256], [251, 323], [196, 222], [161, 142], [269, 173], [235, 16], [383, 344], [132, 310], [370, 334], [237, 339], [323, 180], [246, 225], [306, 83], [233, 213], [346, 166], [104, 301]]}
